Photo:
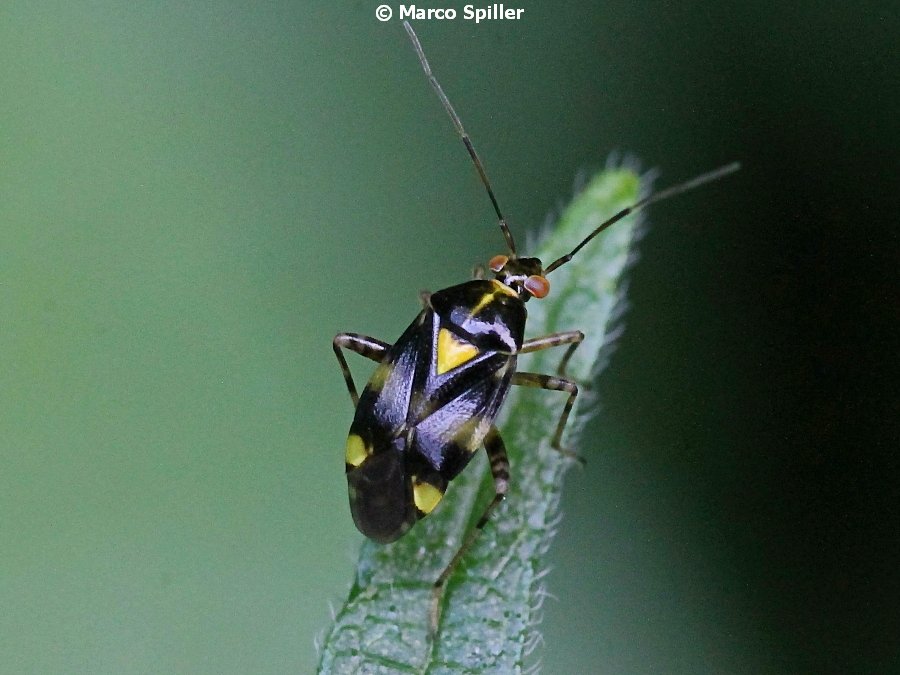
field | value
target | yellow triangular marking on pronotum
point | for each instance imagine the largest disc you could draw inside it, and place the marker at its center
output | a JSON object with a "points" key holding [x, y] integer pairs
{"points": [[467, 432], [356, 451], [426, 496], [452, 352]]}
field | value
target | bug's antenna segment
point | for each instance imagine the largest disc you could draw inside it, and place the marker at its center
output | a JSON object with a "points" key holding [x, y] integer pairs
{"points": [[462, 134], [702, 179]]}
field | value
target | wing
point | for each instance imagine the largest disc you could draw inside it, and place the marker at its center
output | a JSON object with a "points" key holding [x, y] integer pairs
{"points": [[381, 491]]}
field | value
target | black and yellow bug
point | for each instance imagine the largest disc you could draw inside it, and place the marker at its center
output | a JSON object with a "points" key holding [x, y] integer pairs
{"points": [[431, 403]]}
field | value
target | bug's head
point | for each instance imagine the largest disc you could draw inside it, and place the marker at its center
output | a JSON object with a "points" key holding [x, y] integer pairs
{"points": [[524, 275]]}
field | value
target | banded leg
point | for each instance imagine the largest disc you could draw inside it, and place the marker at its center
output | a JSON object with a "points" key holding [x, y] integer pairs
{"points": [[572, 338], [362, 345], [496, 451], [554, 384]]}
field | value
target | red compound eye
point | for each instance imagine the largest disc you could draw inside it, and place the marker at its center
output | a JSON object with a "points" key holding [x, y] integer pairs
{"points": [[538, 286], [498, 262]]}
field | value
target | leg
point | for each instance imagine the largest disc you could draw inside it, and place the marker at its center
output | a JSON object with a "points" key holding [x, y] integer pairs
{"points": [[553, 384], [572, 338], [500, 471], [478, 271], [362, 345]]}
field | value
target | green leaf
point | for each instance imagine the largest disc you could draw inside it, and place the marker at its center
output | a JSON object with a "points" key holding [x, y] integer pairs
{"points": [[492, 604]]}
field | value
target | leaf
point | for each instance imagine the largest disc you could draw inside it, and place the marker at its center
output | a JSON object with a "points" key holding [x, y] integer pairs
{"points": [[492, 604]]}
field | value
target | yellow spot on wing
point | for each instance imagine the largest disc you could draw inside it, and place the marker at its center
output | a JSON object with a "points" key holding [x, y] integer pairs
{"points": [[356, 451], [452, 352], [469, 434], [426, 496], [379, 377]]}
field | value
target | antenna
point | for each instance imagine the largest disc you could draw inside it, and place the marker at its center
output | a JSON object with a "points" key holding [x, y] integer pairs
{"points": [[462, 134], [702, 179]]}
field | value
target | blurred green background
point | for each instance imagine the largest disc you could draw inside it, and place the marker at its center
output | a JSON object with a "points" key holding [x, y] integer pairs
{"points": [[195, 197]]}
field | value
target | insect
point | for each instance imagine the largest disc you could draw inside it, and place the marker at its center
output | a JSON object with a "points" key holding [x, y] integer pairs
{"points": [[431, 402]]}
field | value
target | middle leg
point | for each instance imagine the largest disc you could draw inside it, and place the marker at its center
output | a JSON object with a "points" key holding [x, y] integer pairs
{"points": [[362, 345], [554, 384]]}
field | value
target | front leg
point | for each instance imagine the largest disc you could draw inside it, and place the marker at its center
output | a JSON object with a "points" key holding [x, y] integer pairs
{"points": [[362, 345], [573, 338]]}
